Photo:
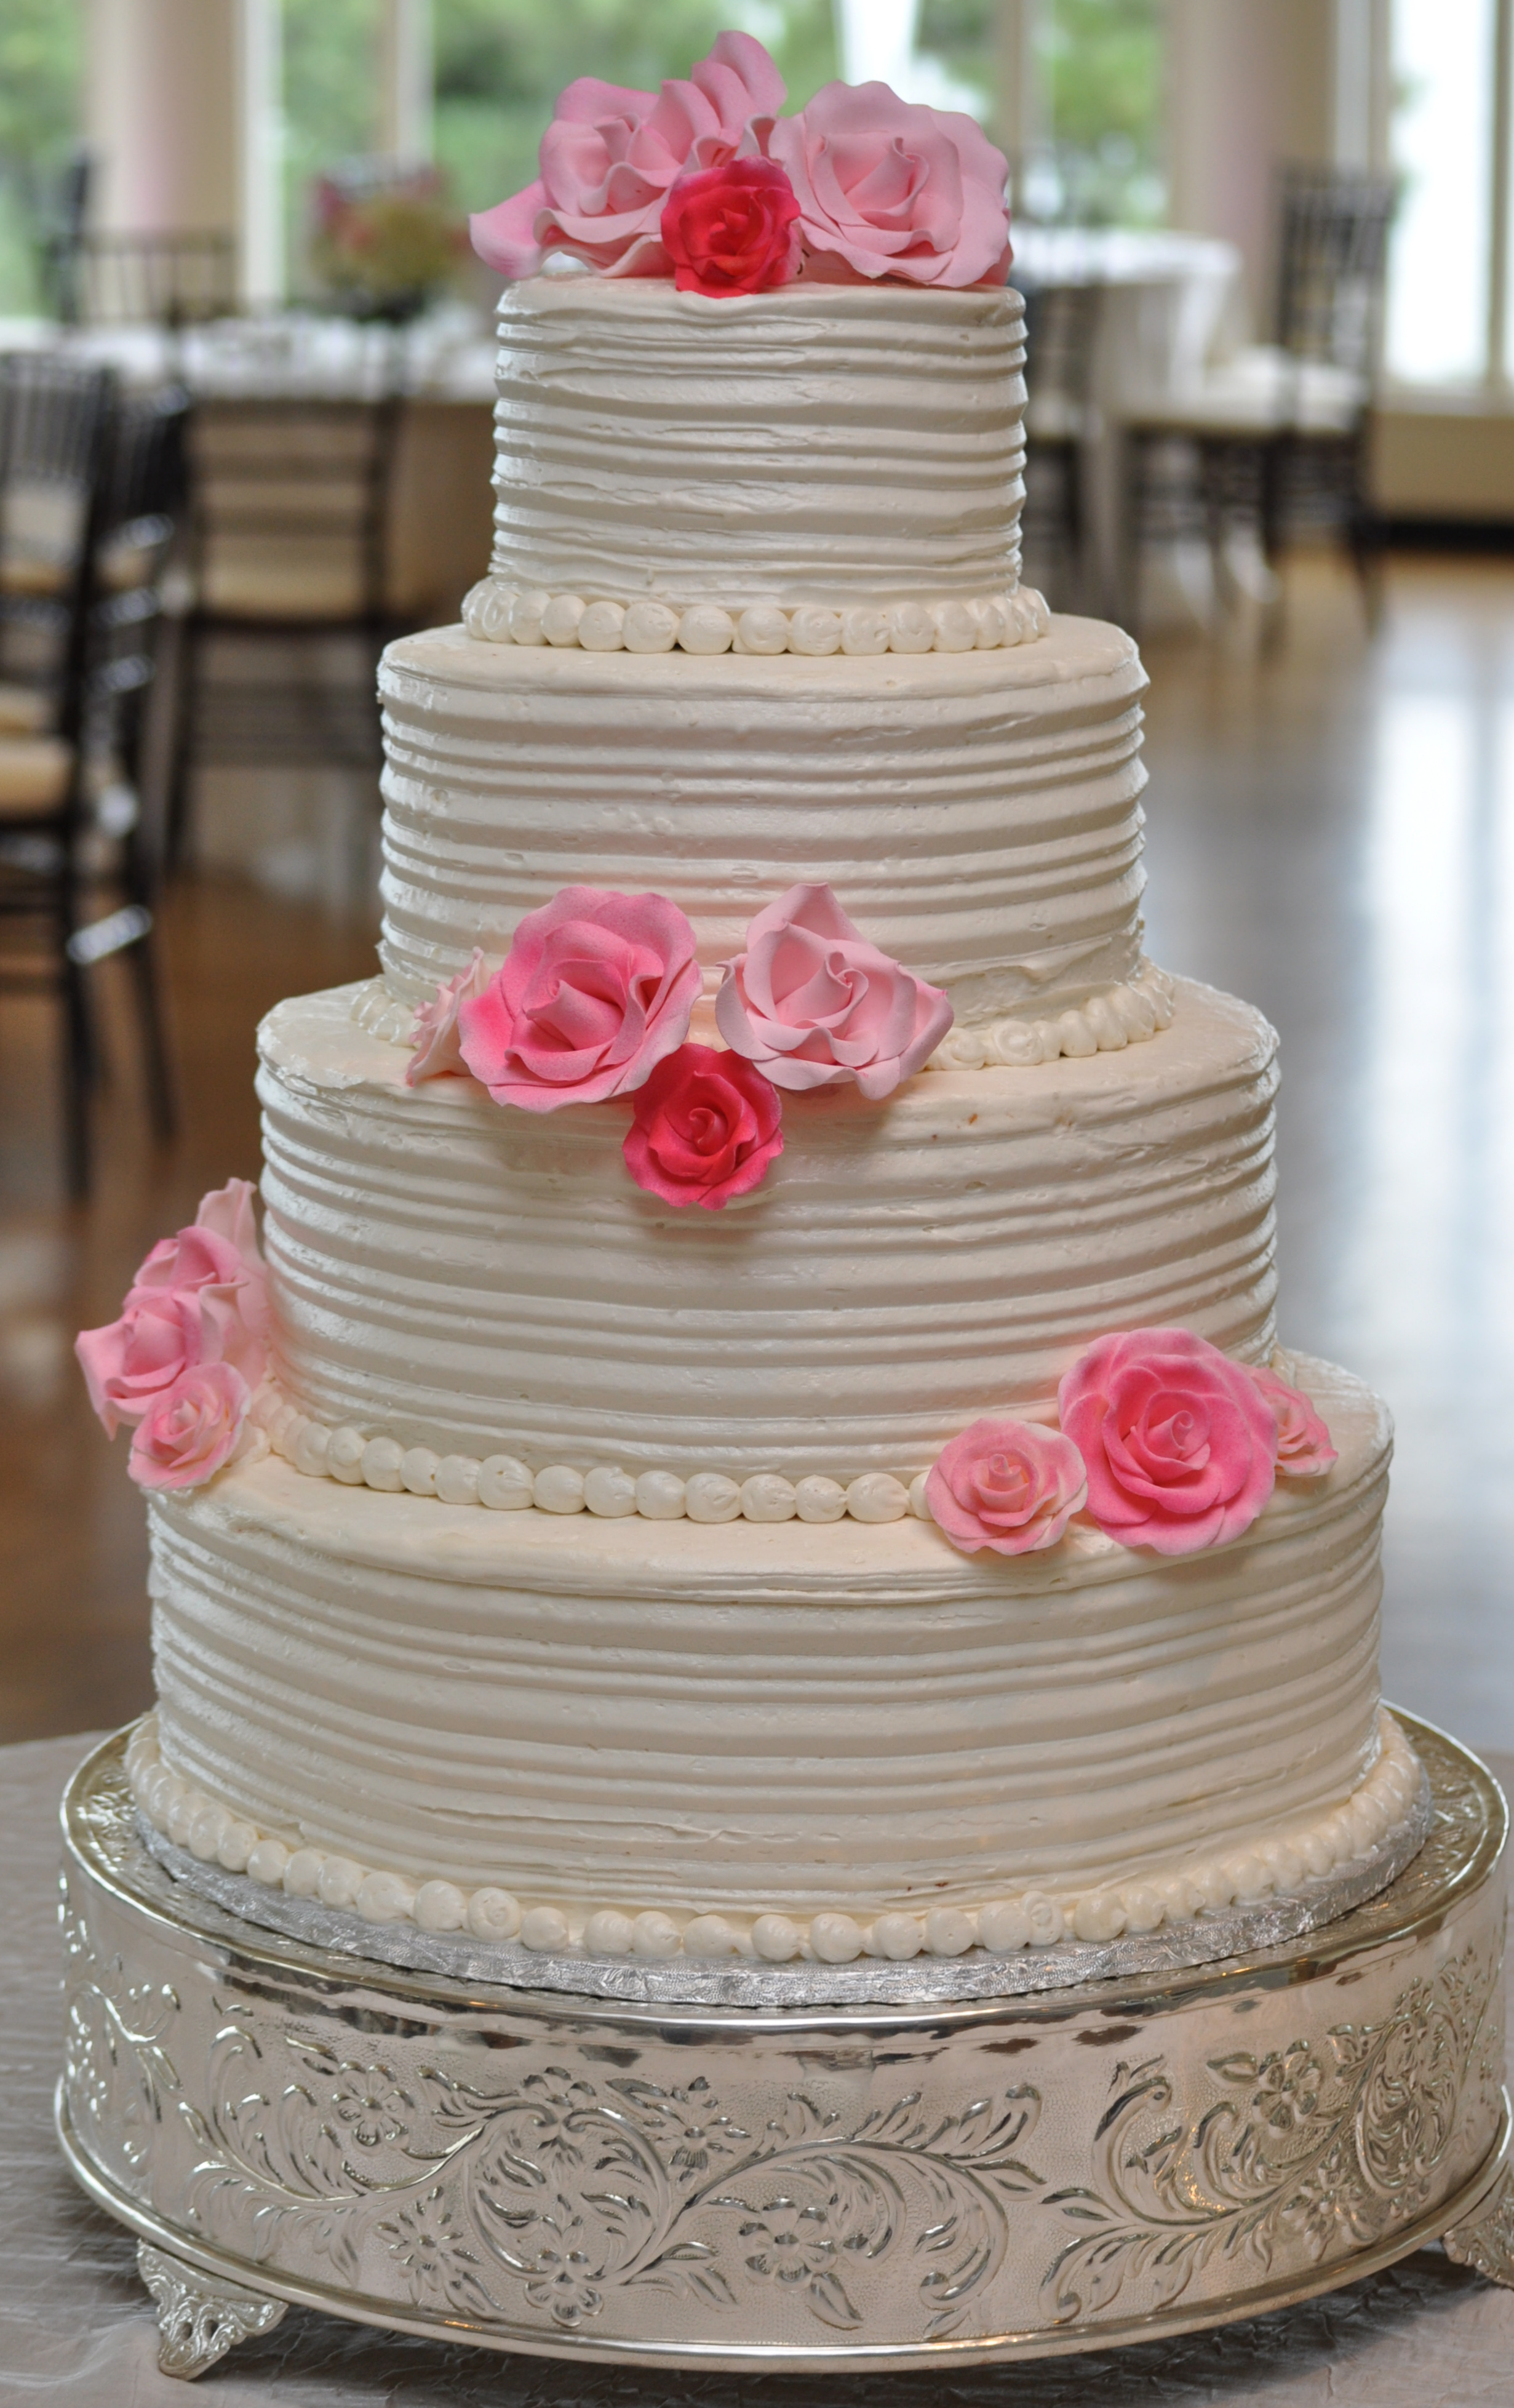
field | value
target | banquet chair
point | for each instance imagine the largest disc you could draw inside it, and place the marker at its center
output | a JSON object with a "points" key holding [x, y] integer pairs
{"points": [[1061, 327], [79, 820], [142, 280], [1281, 434], [289, 562]]}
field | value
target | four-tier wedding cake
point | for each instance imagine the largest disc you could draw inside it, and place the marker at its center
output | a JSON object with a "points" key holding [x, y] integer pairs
{"points": [[755, 1427]]}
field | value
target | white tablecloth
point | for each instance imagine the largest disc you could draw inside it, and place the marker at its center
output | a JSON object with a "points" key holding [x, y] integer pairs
{"points": [[1170, 305], [76, 2327]]}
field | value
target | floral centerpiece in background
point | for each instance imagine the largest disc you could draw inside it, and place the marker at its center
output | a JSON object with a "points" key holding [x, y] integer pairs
{"points": [[384, 241]]}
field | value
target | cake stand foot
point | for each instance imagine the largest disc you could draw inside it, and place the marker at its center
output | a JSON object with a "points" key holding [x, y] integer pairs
{"points": [[1486, 2240], [200, 2316]]}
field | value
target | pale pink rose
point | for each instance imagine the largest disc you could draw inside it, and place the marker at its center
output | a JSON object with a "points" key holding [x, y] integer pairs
{"points": [[705, 1128], [201, 1296], [436, 1050], [1304, 1448], [190, 1430], [812, 1002], [888, 189], [610, 157], [1006, 1485], [1178, 1441], [595, 991]]}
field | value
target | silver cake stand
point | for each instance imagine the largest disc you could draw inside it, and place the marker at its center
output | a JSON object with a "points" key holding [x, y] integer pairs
{"points": [[769, 2187]]}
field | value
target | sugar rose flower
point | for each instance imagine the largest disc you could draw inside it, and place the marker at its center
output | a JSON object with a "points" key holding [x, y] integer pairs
{"points": [[199, 1298], [1304, 1448], [611, 156], [437, 1050], [813, 1003], [191, 1429], [1178, 1441], [707, 1127], [595, 990], [888, 189], [732, 229], [1005, 1485]]}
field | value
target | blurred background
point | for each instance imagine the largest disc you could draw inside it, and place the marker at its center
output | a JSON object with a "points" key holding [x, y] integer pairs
{"points": [[245, 389]]}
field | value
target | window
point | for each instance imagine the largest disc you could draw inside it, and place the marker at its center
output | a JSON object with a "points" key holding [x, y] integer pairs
{"points": [[41, 61], [1450, 142], [501, 64]]}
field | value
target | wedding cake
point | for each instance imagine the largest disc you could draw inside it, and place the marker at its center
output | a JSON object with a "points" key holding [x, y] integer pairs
{"points": [[755, 1427]]}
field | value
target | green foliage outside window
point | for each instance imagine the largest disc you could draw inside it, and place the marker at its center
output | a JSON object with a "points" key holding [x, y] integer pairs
{"points": [[40, 64], [501, 64], [1101, 69]]}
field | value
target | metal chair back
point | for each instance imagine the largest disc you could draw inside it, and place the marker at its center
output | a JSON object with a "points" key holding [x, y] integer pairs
{"points": [[144, 279], [55, 420], [1332, 266]]}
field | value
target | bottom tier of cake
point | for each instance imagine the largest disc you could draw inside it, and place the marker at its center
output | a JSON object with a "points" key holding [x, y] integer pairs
{"points": [[776, 1740]]}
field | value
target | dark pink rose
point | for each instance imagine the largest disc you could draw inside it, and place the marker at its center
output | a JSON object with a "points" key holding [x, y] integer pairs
{"points": [[732, 229], [201, 1296], [610, 157], [812, 1002], [1006, 1485], [595, 990], [436, 1050], [191, 1429], [1178, 1441], [889, 188], [1304, 1448], [707, 1127]]}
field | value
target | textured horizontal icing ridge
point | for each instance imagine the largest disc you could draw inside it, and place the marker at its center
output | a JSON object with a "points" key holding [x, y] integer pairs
{"points": [[698, 1719], [812, 445], [475, 1280], [1389, 1800], [977, 813]]}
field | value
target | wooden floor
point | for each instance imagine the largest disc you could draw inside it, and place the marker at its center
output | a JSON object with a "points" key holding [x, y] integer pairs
{"points": [[1331, 834]]}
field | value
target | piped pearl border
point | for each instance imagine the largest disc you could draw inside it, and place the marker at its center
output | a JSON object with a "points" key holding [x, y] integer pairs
{"points": [[1279, 1867], [495, 612], [504, 1485]]}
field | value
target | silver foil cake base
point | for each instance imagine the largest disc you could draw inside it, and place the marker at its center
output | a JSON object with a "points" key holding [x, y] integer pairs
{"points": [[908, 2181], [686, 1981]]}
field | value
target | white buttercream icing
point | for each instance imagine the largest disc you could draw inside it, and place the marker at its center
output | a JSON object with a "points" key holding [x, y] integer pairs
{"points": [[1279, 1863], [817, 445], [481, 1280], [602, 1715], [496, 613], [977, 813]]}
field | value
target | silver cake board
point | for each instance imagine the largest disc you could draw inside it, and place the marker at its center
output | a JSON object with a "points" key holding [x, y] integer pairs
{"points": [[940, 2180]]}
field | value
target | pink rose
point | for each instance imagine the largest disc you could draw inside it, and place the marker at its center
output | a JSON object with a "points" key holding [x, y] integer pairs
{"points": [[433, 1034], [610, 157], [1178, 1441], [1304, 1448], [732, 229], [888, 189], [201, 1296], [1006, 1485], [813, 1002], [188, 1432], [707, 1127], [595, 990]]}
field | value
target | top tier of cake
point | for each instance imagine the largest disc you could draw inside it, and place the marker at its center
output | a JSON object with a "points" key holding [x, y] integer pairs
{"points": [[818, 445]]}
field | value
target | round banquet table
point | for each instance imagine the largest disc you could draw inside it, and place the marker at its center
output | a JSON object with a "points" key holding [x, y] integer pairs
{"points": [[77, 2327], [1170, 305]]}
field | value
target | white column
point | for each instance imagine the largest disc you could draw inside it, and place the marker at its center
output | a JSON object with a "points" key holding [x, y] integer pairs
{"points": [[180, 113], [1250, 90], [406, 80]]}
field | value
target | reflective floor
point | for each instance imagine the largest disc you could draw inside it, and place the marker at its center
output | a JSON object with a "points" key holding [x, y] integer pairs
{"points": [[1331, 834]]}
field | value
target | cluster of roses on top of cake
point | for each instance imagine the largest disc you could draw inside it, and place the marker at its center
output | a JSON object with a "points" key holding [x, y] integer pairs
{"points": [[705, 182], [593, 1002]]}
